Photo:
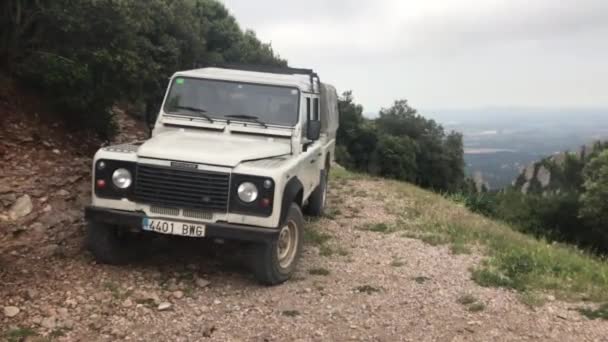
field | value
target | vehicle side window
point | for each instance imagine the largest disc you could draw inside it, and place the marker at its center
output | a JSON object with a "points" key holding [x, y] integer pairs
{"points": [[305, 123], [308, 108], [316, 110]]}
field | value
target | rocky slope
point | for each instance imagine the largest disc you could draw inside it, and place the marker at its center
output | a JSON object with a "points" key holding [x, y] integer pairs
{"points": [[352, 284]]}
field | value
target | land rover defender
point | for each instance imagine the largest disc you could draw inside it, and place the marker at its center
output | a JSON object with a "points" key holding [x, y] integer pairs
{"points": [[235, 153]]}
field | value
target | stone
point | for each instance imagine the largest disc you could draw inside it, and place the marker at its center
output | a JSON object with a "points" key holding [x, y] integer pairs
{"points": [[200, 282], [56, 151], [529, 173], [49, 322], [178, 294], [21, 208], [38, 228], [71, 302], [164, 306], [31, 294], [8, 199], [63, 193], [543, 176], [525, 188], [63, 312], [51, 250], [11, 311], [147, 296], [127, 303]]}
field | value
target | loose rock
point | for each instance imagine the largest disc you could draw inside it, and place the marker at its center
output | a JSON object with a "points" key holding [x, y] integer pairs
{"points": [[200, 282], [21, 208], [164, 306], [11, 311]]}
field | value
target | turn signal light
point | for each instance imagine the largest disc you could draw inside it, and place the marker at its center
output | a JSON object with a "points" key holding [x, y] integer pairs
{"points": [[265, 203], [101, 183]]}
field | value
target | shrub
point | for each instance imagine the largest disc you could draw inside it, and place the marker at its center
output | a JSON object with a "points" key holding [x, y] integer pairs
{"points": [[84, 56]]}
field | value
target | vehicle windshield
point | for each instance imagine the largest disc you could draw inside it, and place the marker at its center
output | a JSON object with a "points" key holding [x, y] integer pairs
{"points": [[236, 101]]}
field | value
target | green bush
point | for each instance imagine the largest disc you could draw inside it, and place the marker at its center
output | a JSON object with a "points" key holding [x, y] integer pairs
{"points": [[400, 144], [84, 56]]}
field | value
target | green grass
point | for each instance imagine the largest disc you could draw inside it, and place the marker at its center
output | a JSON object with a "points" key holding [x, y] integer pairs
{"points": [[326, 250], [459, 248], [291, 313], [19, 334], [434, 239], [397, 263], [319, 271], [367, 289], [532, 299], [376, 227], [599, 313], [421, 279], [313, 236], [476, 307], [332, 213], [471, 303], [360, 193], [466, 299], [59, 332], [343, 252]]}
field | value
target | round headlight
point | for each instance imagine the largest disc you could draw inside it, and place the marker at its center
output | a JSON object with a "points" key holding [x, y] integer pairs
{"points": [[247, 192], [122, 178]]}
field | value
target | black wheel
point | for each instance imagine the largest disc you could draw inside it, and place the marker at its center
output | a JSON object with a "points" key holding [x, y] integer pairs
{"points": [[275, 262], [109, 244], [316, 201]]}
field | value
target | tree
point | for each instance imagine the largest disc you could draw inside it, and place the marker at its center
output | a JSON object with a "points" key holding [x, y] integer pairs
{"points": [[84, 56], [594, 200], [400, 144]]}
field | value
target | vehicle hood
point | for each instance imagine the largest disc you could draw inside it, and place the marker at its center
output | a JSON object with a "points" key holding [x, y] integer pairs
{"points": [[213, 149]]}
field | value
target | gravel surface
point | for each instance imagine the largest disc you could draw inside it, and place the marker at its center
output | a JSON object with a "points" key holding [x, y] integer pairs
{"points": [[358, 285]]}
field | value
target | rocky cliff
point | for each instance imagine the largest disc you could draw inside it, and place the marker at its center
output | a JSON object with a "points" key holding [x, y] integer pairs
{"points": [[557, 173]]}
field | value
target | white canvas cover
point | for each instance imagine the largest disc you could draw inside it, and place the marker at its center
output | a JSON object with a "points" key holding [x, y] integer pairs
{"points": [[329, 110]]}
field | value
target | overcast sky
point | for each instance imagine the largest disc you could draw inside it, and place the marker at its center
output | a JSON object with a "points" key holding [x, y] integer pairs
{"points": [[444, 54]]}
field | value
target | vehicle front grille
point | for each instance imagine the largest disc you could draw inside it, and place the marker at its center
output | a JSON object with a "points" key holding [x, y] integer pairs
{"points": [[164, 211], [185, 189]]}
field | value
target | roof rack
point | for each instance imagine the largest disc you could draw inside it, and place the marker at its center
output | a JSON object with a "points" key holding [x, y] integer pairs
{"points": [[270, 69]]}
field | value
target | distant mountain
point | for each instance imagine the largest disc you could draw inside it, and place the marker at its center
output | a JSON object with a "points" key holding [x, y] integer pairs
{"points": [[500, 142]]}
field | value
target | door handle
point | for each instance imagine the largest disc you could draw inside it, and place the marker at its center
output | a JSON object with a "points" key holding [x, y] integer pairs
{"points": [[313, 161]]}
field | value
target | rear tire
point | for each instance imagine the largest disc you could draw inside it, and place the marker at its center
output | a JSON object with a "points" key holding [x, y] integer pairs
{"points": [[109, 244], [274, 262], [318, 198]]}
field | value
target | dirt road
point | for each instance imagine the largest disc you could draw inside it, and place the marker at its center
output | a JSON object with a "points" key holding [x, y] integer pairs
{"points": [[352, 284]]}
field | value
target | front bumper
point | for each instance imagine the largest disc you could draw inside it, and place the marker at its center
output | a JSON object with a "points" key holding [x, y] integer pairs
{"points": [[134, 219]]}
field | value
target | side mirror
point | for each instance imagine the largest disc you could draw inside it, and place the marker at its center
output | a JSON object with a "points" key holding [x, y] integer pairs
{"points": [[150, 121], [314, 130]]}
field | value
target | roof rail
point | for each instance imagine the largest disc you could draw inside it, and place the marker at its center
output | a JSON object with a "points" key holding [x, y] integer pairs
{"points": [[270, 69]]}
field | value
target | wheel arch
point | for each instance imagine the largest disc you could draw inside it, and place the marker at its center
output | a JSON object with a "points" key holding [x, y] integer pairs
{"points": [[293, 193]]}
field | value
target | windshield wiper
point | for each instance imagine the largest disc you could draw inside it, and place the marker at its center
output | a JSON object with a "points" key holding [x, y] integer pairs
{"points": [[248, 118], [197, 110]]}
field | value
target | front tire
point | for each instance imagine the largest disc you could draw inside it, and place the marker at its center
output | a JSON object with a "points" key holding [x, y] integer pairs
{"points": [[318, 198], [275, 261], [109, 244]]}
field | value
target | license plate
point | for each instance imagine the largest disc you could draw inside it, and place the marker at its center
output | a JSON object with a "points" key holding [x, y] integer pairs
{"points": [[174, 228]]}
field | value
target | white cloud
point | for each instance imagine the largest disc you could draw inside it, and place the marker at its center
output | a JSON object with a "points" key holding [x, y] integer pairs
{"points": [[441, 53]]}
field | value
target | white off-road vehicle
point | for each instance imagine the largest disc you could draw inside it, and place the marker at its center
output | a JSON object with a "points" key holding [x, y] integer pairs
{"points": [[236, 153]]}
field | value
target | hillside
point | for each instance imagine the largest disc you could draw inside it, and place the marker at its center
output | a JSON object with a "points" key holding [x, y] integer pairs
{"points": [[388, 262]]}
